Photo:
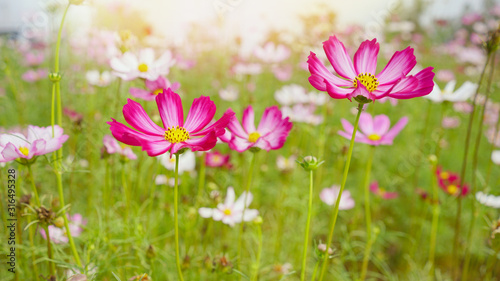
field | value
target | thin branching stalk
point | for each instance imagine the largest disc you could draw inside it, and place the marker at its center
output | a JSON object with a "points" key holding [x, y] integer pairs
{"points": [[342, 186], [308, 227]]}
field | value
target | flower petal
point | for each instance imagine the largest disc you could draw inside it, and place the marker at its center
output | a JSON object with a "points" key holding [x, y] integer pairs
{"points": [[381, 124], [366, 123], [170, 107], [230, 197], [219, 125], [126, 135], [201, 113], [136, 116], [319, 73], [141, 94], [365, 58], [339, 58], [248, 120], [205, 212], [425, 85], [394, 131], [400, 64]]}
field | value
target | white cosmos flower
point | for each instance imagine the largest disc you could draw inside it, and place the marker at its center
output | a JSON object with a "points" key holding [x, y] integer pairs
{"points": [[495, 157], [231, 212], [488, 200], [271, 53], [292, 94], [447, 94], [329, 196], [96, 78], [187, 161], [129, 66]]}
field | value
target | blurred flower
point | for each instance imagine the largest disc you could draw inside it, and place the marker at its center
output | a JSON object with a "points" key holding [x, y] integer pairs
{"points": [[322, 248], [381, 192], [359, 81], [230, 212], [175, 135], [393, 101], [187, 161], [463, 93], [493, 136], [58, 235], [130, 67], [488, 200], [38, 142], [35, 75], [282, 73], [470, 18], [33, 58], [78, 277], [286, 164], [217, 159], [450, 122], [73, 116], [329, 196], [230, 93], [495, 157], [291, 94], [302, 113], [242, 68], [164, 180], [271, 53], [445, 75], [112, 146], [96, 78], [155, 87], [140, 277], [373, 131], [450, 183], [283, 269], [271, 133], [463, 107]]}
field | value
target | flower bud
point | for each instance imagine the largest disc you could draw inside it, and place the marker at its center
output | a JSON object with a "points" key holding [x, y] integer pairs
{"points": [[55, 76], [59, 222], [310, 163], [258, 220], [433, 159]]}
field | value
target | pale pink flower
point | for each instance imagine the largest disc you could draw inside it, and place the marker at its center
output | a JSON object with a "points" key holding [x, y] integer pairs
{"points": [[129, 66], [393, 101], [154, 88], [38, 142], [230, 93], [217, 159], [100, 79], [463, 107], [112, 146], [34, 75], [58, 235], [286, 164], [381, 192], [34, 58], [373, 131], [302, 113], [282, 73], [271, 133], [329, 196], [450, 122], [291, 94], [231, 212], [242, 68], [445, 75], [271, 53]]}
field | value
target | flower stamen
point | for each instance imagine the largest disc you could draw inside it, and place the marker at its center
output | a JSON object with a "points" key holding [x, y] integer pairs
{"points": [[253, 137], [374, 137], [143, 67], [158, 91], [368, 80], [24, 150], [176, 134], [227, 212]]}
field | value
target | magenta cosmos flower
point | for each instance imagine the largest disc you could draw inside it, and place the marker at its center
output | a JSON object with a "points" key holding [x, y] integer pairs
{"points": [[381, 192], [271, 133], [217, 159], [373, 131], [154, 88], [357, 78], [112, 146], [194, 133], [38, 142]]}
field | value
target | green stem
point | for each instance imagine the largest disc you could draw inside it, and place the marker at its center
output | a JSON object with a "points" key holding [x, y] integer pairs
{"points": [[342, 186], [455, 256], [315, 271], [435, 219], [37, 199], [176, 218], [259, 254], [308, 227], [368, 216], [33, 255], [52, 266], [492, 148], [474, 171], [247, 189]]}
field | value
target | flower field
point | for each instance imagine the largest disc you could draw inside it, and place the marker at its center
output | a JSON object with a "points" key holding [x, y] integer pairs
{"points": [[326, 153]]}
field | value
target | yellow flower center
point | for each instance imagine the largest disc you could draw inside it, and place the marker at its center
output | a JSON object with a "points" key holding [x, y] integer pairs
{"points": [[158, 91], [24, 150], [216, 158], [227, 212], [381, 191], [452, 189], [176, 134], [368, 80], [143, 67], [445, 175], [374, 137], [253, 137]]}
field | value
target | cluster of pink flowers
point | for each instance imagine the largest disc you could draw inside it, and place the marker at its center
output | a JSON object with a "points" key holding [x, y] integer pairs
{"points": [[450, 183], [58, 234]]}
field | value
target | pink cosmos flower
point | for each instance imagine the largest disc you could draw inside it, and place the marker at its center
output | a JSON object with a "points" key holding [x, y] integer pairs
{"points": [[38, 142], [445, 75], [450, 122], [217, 159], [129, 66], [373, 131], [381, 192], [35, 75], [450, 183], [175, 135], [230, 93], [283, 73], [329, 196], [58, 235], [112, 146], [155, 87], [270, 134], [33, 58], [242, 68], [231, 212], [356, 78]]}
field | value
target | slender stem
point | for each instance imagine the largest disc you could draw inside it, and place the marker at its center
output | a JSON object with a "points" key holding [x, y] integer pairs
{"points": [[176, 218], [473, 212], [37, 199], [344, 179], [33, 255], [52, 266], [247, 190], [259, 254], [308, 227], [368, 215], [315, 271], [435, 219], [462, 173]]}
